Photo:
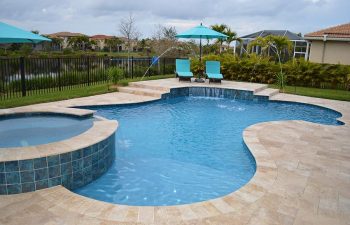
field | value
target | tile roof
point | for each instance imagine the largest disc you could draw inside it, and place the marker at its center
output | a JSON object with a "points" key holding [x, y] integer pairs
{"points": [[264, 33], [340, 31], [100, 37], [65, 34]]}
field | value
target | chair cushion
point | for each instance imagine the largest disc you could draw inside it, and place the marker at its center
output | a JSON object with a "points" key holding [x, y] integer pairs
{"points": [[185, 74], [215, 76]]}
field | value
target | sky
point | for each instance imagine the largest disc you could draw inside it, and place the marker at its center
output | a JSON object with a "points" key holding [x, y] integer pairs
{"points": [[243, 16]]}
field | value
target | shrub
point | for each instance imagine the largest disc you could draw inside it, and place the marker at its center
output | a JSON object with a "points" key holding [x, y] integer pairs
{"points": [[115, 74], [254, 68]]}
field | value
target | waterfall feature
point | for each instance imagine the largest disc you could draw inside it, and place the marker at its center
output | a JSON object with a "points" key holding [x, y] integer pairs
{"points": [[214, 92]]}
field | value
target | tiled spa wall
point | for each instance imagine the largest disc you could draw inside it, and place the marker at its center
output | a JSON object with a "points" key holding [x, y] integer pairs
{"points": [[72, 170], [214, 92]]}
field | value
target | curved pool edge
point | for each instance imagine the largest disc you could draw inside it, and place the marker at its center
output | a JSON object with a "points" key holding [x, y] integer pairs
{"points": [[67, 201], [256, 188]]}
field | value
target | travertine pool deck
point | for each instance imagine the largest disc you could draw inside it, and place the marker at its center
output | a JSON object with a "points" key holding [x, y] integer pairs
{"points": [[302, 177]]}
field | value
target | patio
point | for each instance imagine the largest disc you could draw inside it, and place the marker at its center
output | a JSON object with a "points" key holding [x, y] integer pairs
{"points": [[302, 173]]}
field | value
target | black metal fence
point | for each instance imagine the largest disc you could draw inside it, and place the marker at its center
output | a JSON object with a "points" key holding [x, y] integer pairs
{"points": [[28, 76]]}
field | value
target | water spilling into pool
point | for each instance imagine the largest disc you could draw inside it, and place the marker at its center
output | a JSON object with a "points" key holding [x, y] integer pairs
{"points": [[187, 149]]}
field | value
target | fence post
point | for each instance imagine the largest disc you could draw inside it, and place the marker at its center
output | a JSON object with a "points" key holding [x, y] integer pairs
{"points": [[163, 66], [88, 70], [23, 78], [59, 74], [149, 65], [132, 67]]}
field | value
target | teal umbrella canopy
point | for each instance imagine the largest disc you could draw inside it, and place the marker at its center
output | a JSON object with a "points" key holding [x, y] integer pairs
{"points": [[201, 32], [11, 34]]}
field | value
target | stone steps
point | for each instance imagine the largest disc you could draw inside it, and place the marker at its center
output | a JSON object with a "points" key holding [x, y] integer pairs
{"points": [[147, 86], [269, 92], [141, 91]]}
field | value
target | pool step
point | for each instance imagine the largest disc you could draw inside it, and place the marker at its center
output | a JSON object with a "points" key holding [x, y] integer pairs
{"points": [[147, 86], [141, 91], [267, 92]]}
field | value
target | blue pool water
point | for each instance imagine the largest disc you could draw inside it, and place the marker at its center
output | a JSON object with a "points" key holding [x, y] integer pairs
{"points": [[187, 149], [34, 129]]}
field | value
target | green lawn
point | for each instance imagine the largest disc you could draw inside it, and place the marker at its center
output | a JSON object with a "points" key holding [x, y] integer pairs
{"points": [[318, 92], [69, 93]]}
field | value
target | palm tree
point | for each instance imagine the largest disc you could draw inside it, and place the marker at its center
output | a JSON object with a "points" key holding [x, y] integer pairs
{"points": [[232, 36], [221, 29]]}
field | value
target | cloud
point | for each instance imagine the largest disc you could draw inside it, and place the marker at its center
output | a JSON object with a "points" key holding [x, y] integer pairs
{"points": [[244, 16]]}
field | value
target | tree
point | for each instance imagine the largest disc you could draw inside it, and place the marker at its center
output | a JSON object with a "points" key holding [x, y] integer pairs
{"points": [[56, 41], [232, 36], [79, 42], [164, 38], [113, 42], [277, 44], [128, 29], [221, 29]]}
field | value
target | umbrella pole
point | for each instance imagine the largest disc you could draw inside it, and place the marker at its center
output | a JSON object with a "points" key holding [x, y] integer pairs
{"points": [[199, 79]]}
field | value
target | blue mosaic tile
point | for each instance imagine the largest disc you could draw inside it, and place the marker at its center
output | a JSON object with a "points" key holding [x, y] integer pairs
{"points": [[40, 163], [13, 178], [54, 171], [3, 190], [2, 167], [77, 154], [53, 160], [94, 157], [26, 164], [14, 189], [78, 180], [2, 178], [66, 157], [87, 175], [67, 181], [87, 161], [41, 184], [11, 166], [54, 181], [28, 187], [66, 168], [87, 151], [27, 176], [95, 148], [31, 175], [77, 165], [41, 174]]}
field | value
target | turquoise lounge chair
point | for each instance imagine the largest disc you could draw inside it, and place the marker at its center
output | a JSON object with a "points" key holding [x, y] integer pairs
{"points": [[212, 71], [183, 69]]}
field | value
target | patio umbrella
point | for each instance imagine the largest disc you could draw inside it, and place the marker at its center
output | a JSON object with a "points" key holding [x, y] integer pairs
{"points": [[11, 34], [200, 32]]}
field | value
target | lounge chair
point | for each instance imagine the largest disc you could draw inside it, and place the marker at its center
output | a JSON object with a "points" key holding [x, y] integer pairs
{"points": [[212, 71], [183, 69]]}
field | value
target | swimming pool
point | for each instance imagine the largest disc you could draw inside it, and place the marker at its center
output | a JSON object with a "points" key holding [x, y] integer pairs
{"points": [[187, 149], [35, 129]]}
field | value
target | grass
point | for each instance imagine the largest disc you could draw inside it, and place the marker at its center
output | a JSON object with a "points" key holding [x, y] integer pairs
{"points": [[70, 93], [342, 95]]}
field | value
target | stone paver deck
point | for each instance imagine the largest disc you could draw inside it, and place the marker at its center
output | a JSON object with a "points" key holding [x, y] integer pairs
{"points": [[303, 177]]}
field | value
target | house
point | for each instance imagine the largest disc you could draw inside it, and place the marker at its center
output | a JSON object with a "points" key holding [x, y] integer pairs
{"points": [[64, 36], [100, 40], [330, 45], [300, 46]]}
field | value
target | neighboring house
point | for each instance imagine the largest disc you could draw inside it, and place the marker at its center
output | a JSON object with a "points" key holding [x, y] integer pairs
{"points": [[64, 36], [331, 45], [300, 46], [100, 40]]}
